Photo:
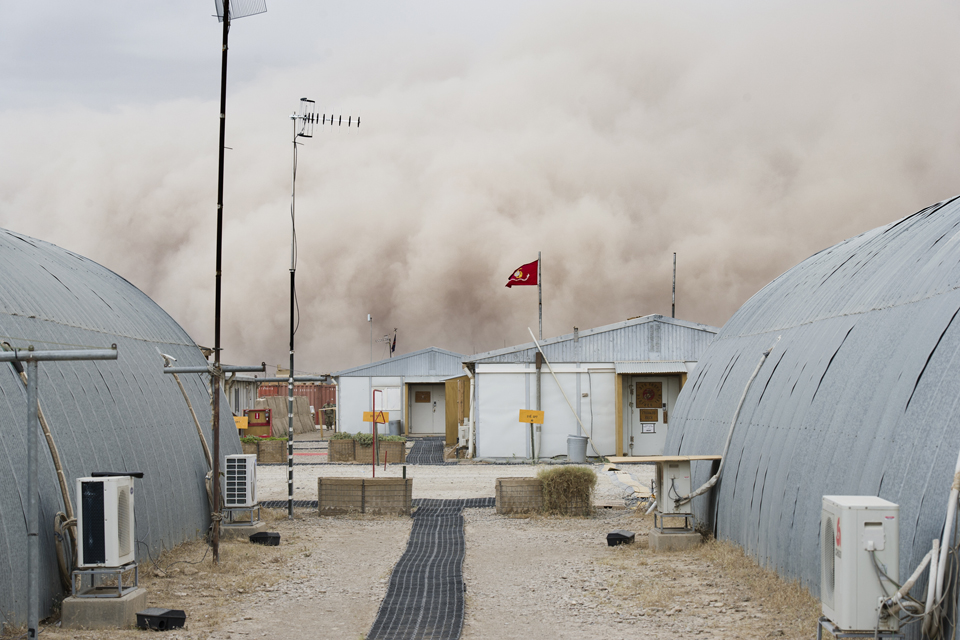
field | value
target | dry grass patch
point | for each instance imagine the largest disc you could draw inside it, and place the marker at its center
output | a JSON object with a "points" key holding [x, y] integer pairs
{"points": [[788, 601], [185, 577], [713, 589]]}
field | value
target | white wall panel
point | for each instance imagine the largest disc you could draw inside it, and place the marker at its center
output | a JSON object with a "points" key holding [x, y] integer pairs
{"points": [[499, 433]]}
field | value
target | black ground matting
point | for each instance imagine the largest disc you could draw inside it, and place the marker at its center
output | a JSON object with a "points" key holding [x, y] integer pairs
{"points": [[425, 596], [426, 451]]}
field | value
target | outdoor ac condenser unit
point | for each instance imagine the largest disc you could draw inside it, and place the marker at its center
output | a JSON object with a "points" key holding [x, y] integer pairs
{"points": [[240, 481], [105, 522], [855, 531], [673, 482]]}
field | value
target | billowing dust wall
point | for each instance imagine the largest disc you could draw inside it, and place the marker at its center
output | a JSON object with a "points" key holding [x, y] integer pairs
{"points": [[123, 415], [860, 395]]}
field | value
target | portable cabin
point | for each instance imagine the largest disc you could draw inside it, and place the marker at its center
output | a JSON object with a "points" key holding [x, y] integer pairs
{"points": [[409, 388], [616, 384]]}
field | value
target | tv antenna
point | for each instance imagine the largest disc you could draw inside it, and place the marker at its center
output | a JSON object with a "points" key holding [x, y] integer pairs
{"points": [[303, 123]]}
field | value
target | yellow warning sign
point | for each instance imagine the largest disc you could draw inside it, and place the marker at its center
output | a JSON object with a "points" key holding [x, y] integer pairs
{"points": [[381, 417], [241, 421], [527, 415]]}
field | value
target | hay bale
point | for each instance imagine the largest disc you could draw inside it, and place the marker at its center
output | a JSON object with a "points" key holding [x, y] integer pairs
{"points": [[568, 490]]}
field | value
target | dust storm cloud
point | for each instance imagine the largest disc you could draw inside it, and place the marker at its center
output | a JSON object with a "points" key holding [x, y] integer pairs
{"points": [[743, 136]]}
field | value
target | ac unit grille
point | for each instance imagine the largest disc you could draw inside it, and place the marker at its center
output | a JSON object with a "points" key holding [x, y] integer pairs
{"points": [[94, 544], [828, 570], [236, 482], [123, 518]]}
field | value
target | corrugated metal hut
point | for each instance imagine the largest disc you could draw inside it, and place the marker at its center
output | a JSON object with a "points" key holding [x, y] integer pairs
{"points": [[412, 387], [622, 379], [124, 415], [858, 397]]}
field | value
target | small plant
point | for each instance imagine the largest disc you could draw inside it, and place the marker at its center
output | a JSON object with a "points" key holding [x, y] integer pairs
{"points": [[366, 439], [256, 439], [341, 435], [567, 490], [363, 439]]}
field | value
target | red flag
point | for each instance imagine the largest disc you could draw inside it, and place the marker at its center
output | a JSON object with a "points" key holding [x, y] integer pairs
{"points": [[525, 275]]}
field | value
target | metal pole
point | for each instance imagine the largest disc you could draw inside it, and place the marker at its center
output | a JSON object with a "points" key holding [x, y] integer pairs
{"points": [[293, 293], [370, 320], [533, 429], [33, 504], [673, 306], [215, 541], [540, 295]]}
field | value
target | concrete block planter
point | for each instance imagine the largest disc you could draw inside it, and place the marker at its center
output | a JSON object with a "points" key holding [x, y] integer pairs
{"points": [[338, 496], [519, 495], [249, 447], [340, 451]]}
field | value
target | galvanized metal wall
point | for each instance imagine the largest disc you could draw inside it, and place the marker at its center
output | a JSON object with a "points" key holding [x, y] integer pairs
{"points": [[426, 362], [859, 396], [105, 416], [648, 338]]}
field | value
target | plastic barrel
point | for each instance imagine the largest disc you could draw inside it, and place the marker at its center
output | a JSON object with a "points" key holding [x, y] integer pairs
{"points": [[577, 448], [393, 427]]}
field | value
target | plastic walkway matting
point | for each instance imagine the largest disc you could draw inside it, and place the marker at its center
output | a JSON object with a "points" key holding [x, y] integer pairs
{"points": [[425, 596], [426, 451]]}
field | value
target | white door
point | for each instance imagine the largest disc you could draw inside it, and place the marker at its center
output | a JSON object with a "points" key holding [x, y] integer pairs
{"points": [[649, 402], [427, 409]]}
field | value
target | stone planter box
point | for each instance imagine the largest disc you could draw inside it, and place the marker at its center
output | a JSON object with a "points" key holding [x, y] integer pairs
{"points": [[340, 451], [249, 448], [338, 496], [519, 495], [272, 451]]}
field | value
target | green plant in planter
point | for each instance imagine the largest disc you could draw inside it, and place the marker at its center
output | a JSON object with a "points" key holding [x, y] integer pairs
{"points": [[366, 439], [567, 488], [363, 439], [341, 435], [256, 439]]}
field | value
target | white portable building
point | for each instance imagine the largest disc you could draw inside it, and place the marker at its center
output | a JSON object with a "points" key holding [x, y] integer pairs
{"points": [[622, 381], [410, 389]]}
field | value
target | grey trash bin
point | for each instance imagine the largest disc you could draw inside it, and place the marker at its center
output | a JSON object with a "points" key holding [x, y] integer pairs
{"points": [[577, 448], [393, 427]]}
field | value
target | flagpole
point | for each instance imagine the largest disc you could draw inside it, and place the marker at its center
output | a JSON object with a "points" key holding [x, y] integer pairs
{"points": [[540, 294], [534, 430]]}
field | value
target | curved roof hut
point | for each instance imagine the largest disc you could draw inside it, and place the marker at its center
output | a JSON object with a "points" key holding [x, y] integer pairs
{"points": [[860, 396], [121, 416]]}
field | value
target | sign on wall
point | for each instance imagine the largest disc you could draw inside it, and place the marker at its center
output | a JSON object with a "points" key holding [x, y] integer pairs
{"points": [[649, 395], [529, 416]]}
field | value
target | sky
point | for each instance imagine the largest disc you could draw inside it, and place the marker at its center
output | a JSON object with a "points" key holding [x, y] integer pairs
{"points": [[744, 136]]}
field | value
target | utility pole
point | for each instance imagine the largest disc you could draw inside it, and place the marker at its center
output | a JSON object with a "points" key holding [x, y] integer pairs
{"points": [[224, 13], [673, 305]]}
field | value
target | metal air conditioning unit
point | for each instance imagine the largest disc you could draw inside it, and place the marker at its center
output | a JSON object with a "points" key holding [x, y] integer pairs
{"points": [[105, 522], [860, 556], [240, 481]]}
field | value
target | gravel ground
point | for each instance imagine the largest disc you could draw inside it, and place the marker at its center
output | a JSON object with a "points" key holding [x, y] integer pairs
{"points": [[526, 577], [463, 480]]}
